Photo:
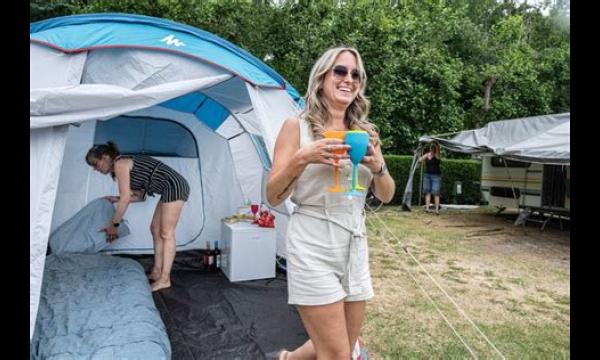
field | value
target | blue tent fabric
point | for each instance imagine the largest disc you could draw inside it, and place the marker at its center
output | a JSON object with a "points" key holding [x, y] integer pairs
{"points": [[212, 113], [206, 109], [187, 103], [80, 233], [78, 33], [82, 32]]}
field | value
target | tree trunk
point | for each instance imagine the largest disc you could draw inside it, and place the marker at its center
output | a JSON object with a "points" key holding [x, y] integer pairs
{"points": [[488, 83]]}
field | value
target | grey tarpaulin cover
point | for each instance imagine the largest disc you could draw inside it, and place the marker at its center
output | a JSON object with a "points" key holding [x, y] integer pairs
{"points": [[544, 139], [80, 233]]}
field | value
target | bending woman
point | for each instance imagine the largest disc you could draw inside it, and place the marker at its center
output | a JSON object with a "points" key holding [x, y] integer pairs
{"points": [[138, 176]]}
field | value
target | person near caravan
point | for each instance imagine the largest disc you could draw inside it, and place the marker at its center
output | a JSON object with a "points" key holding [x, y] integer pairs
{"points": [[432, 179], [327, 256], [138, 176]]}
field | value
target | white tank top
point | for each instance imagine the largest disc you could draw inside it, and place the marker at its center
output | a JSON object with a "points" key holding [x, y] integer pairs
{"points": [[311, 188]]}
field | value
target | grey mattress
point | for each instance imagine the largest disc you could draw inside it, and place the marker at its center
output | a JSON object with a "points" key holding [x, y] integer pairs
{"points": [[97, 307]]}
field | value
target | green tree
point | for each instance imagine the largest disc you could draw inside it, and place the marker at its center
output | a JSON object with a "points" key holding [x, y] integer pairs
{"points": [[433, 66]]}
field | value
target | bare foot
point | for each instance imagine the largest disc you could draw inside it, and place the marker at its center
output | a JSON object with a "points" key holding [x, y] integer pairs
{"points": [[160, 284], [282, 355], [154, 274]]}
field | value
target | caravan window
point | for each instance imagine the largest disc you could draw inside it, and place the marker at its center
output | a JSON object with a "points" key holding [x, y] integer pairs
{"points": [[147, 136], [505, 192], [499, 162]]}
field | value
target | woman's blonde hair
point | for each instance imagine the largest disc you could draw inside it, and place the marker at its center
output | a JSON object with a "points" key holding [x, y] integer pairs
{"points": [[315, 110]]}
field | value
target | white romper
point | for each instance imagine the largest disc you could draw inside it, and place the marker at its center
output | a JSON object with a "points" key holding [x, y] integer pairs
{"points": [[327, 254]]}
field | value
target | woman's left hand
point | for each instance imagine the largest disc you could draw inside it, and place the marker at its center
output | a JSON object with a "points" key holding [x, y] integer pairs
{"points": [[373, 159], [111, 233]]}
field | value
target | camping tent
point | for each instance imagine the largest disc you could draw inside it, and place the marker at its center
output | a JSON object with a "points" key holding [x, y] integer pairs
{"points": [[542, 139], [205, 107]]}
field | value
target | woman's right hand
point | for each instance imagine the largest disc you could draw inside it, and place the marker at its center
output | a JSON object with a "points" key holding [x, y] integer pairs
{"points": [[325, 151], [112, 199]]}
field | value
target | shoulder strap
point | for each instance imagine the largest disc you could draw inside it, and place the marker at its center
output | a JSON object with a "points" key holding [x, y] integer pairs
{"points": [[305, 132], [123, 157]]}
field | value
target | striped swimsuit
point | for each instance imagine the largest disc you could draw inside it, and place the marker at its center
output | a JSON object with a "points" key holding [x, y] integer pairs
{"points": [[153, 176]]}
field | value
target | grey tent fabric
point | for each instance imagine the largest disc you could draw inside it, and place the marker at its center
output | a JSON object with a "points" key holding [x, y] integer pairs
{"points": [[76, 103], [544, 139], [80, 233]]}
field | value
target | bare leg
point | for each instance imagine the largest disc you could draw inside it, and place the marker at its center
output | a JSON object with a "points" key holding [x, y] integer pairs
{"points": [[158, 244], [168, 221], [326, 326], [427, 201], [437, 204], [355, 314], [305, 352]]}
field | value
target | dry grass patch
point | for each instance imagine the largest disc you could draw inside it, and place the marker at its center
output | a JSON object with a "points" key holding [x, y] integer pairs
{"points": [[513, 285]]}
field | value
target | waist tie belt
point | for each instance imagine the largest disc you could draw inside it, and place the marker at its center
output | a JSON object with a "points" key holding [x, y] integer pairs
{"points": [[357, 236]]}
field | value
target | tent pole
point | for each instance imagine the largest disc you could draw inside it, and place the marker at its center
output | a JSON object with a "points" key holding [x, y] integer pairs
{"points": [[512, 185], [421, 185], [409, 187]]}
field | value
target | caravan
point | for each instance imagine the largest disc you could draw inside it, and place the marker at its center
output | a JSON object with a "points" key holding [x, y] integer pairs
{"points": [[525, 162], [536, 186]]}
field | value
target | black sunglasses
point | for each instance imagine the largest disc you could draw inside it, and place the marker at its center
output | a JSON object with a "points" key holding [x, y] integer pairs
{"points": [[341, 71]]}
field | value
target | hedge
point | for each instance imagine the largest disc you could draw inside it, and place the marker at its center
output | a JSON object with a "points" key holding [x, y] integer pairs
{"points": [[468, 172]]}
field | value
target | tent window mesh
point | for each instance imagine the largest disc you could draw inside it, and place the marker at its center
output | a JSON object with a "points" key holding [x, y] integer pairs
{"points": [[147, 136]]}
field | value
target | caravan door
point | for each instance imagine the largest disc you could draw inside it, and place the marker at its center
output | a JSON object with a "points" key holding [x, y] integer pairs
{"points": [[554, 187]]}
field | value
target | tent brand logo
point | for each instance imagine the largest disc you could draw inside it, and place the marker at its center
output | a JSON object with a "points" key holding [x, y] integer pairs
{"points": [[171, 40]]}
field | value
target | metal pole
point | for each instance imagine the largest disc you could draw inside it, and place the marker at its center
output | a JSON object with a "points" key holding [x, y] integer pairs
{"points": [[513, 191], [421, 185]]}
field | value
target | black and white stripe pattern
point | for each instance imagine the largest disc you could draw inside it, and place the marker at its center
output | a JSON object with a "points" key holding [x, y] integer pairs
{"points": [[154, 176]]}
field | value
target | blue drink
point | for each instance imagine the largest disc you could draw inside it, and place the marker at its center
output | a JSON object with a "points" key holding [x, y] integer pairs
{"points": [[359, 143]]}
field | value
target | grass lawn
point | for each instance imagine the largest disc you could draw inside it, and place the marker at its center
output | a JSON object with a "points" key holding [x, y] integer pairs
{"points": [[513, 285]]}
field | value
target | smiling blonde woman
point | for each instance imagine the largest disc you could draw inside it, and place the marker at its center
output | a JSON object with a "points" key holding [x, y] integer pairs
{"points": [[327, 254]]}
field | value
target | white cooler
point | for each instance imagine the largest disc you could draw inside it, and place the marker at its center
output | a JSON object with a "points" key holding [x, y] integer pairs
{"points": [[248, 251]]}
